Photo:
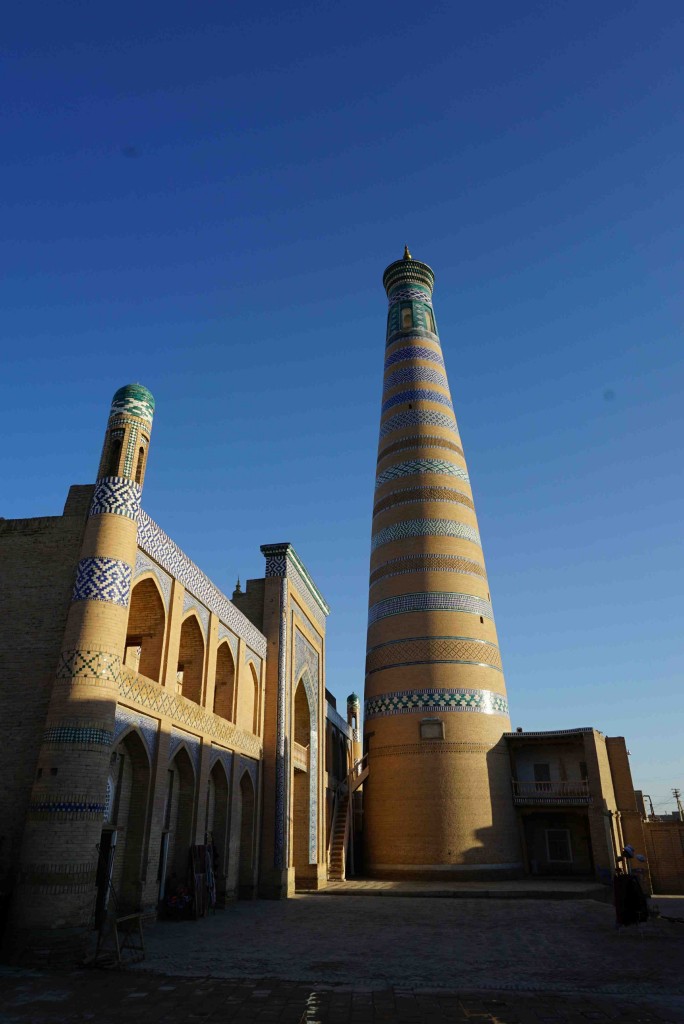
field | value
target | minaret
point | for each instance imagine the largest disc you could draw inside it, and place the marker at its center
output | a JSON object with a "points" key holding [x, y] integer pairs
{"points": [[56, 885], [437, 802]]}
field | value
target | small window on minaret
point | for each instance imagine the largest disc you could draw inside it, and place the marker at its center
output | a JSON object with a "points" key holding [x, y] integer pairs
{"points": [[141, 463], [113, 457], [406, 317], [430, 320], [431, 729]]}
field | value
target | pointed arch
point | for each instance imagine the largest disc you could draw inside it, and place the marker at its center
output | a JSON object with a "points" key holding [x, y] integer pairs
{"points": [[247, 836], [128, 788], [146, 628], [218, 803], [224, 689], [179, 813], [191, 650], [248, 699], [305, 780]]}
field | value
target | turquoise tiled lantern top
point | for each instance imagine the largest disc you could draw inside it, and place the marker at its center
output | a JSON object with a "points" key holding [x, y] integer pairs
{"points": [[353, 700], [135, 400], [408, 272]]}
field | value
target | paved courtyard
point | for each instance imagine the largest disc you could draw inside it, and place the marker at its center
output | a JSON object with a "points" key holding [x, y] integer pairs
{"points": [[357, 959]]}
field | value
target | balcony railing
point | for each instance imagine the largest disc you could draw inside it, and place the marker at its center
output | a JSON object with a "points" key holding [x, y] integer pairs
{"points": [[573, 792]]}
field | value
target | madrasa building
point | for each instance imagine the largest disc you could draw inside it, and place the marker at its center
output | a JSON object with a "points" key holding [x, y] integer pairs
{"points": [[166, 748]]}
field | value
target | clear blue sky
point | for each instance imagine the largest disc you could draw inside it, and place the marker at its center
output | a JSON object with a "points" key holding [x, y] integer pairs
{"points": [[203, 197]]}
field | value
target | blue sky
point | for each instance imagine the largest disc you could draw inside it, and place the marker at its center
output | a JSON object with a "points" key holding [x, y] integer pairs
{"points": [[204, 197]]}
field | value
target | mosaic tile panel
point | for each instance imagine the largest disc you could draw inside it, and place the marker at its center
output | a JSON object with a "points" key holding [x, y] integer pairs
{"points": [[147, 727], [85, 664], [103, 579], [159, 546], [424, 528], [414, 352], [193, 745], [429, 602], [416, 418], [131, 450], [135, 400], [306, 669], [191, 603], [410, 495], [427, 563], [246, 764], [410, 701], [415, 375], [420, 441], [224, 756], [410, 294], [115, 496], [282, 560], [412, 467], [423, 395], [144, 564], [282, 777], [77, 735], [226, 634], [429, 650]]}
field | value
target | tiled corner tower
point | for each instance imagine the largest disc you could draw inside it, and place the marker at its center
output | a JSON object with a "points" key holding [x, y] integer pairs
{"points": [[437, 802], [68, 801]]}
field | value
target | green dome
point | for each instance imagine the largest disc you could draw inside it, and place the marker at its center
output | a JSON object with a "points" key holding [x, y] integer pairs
{"points": [[135, 400], [353, 698]]}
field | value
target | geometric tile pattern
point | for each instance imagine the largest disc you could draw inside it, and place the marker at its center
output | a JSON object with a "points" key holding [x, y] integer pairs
{"points": [[417, 417], [419, 441], [427, 563], [226, 634], [306, 669], [410, 295], [135, 400], [430, 650], [396, 337], [416, 466], [401, 703], [429, 602], [424, 395], [408, 495], [283, 561], [79, 735], [101, 665], [192, 744], [159, 546], [69, 807], [116, 496], [424, 528], [414, 352], [415, 375], [131, 449], [202, 613], [145, 564], [103, 579], [147, 727]]}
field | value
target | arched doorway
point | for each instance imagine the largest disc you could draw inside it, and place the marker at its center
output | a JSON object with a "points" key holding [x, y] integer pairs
{"points": [[145, 630], [224, 690], [301, 789], [177, 834], [246, 887], [248, 700], [190, 673], [217, 826]]}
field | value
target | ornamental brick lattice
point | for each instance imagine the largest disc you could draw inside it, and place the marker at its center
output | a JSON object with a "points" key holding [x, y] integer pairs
{"points": [[434, 679]]}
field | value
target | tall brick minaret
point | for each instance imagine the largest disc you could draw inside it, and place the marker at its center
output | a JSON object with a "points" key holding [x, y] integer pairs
{"points": [[437, 802]]}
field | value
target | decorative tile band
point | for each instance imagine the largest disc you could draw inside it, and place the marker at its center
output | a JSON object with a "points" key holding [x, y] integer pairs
{"points": [[416, 375], [423, 334], [415, 418], [135, 400], [424, 395], [131, 448], [103, 579], [420, 441], [159, 546], [427, 563], [414, 352], [410, 495], [70, 808], [408, 701], [76, 664], [410, 294], [418, 466], [424, 528], [77, 735], [116, 496], [433, 650], [283, 560], [432, 601]]}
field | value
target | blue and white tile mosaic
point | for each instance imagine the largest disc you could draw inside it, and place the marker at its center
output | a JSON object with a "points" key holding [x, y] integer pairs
{"points": [[408, 701], [147, 726], [410, 295], [191, 603], [116, 496], [226, 634], [416, 375], [103, 579], [282, 560], [144, 564], [432, 601], [414, 352], [159, 546], [192, 743], [306, 669], [414, 467], [424, 528], [417, 418], [131, 449], [424, 395], [77, 735]]}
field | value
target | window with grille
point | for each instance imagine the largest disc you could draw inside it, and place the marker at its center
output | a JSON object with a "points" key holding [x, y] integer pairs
{"points": [[558, 848]]}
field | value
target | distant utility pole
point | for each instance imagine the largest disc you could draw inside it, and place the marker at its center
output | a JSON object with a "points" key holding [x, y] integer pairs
{"points": [[677, 794]]}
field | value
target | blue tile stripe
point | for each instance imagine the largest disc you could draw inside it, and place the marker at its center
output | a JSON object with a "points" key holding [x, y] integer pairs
{"points": [[424, 528], [415, 375], [77, 734], [103, 579], [77, 806], [414, 467], [418, 418], [117, 496], [411, 294], [410, 701], [433, 601], [424, 395], [414, 352]]}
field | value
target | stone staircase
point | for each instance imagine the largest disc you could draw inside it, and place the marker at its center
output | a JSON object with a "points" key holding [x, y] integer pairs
{"points": [[338, 839]]}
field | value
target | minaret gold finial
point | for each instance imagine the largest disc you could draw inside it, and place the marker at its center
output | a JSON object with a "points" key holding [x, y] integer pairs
{"points": [[407, 254]]}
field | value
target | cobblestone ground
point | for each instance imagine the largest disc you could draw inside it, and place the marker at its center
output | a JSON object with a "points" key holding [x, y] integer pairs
{"points": [[358, 959]]}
